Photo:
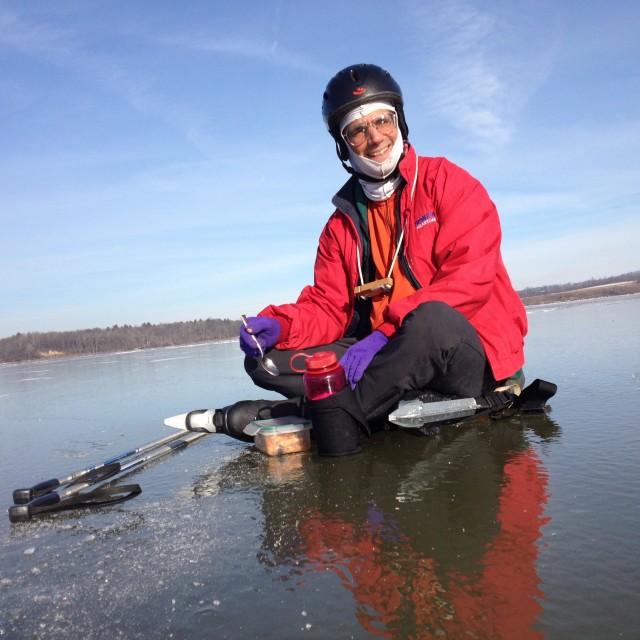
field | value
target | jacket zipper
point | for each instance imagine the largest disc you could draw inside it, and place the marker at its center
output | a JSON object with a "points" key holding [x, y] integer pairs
{"points": [[404, 261]]}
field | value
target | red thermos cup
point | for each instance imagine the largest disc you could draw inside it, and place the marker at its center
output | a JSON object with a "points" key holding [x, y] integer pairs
{"points": [[323, 375], [336, 431]]}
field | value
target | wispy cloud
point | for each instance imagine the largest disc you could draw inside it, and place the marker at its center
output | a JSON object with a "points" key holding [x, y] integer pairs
{"points": [[478, 73], [241, 45], [583, 170], [32, 38], [69, 50], [562, 258], [519, 203], [141, 89]]}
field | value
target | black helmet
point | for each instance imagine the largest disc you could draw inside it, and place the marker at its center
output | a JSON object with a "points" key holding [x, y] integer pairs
{"points": [[356, 85]]}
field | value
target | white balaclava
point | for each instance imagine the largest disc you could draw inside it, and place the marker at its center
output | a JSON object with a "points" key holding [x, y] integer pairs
{"points": [[375, 190]]}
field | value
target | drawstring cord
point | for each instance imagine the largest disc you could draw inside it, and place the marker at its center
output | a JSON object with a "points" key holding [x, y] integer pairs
{"points": [[359, 264], [397, 251]]}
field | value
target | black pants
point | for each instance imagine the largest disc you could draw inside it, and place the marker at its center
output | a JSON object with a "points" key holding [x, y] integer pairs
{"points": [[436, 348]]}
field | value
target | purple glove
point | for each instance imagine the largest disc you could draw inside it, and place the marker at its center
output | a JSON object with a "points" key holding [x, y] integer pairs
{"points": [[357, 358], [266, 330]]}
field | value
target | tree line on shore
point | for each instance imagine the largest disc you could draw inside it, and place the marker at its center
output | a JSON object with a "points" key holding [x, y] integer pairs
{"points": [[37, 345], [585, 284]]}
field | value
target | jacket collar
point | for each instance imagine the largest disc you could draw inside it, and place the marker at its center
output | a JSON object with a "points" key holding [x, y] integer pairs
{"points": [[345, 199], [408, 164]]}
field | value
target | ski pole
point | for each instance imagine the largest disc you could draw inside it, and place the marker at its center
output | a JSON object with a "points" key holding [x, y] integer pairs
{"points": [[22, 496], [70, 496]]}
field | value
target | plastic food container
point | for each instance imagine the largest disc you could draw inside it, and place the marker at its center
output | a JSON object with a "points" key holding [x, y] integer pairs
{"points": [[279, 436]]}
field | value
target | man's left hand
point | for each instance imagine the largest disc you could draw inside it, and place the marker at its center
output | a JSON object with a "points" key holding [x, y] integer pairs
{"points": [[358, 357]]}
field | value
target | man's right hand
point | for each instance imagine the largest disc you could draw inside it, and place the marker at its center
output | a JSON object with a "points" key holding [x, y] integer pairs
{"points": [[266, 330]]}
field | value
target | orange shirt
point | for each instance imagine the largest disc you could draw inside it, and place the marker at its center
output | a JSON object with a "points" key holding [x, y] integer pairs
{"points": [[383, 235]]}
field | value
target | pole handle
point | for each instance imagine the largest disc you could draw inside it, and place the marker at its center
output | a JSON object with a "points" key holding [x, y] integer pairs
{"points": [[24, 512], [22, 496]]}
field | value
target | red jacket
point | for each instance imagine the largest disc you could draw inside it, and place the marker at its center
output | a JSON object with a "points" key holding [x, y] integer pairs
{"points": [[451, 252]]}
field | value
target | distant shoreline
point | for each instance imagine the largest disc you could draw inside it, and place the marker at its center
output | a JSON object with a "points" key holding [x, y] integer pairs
{"points": [[51, 345], [43, 358], [583, 293]]}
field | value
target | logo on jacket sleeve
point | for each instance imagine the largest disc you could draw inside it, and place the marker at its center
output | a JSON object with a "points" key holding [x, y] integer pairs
{"points": [[426, 219]]}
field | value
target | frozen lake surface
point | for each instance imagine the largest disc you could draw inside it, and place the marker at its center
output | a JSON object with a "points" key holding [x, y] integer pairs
{"points": [[521, 528]]}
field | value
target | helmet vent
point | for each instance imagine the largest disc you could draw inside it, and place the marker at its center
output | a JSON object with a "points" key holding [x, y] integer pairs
{"points": [[354, 76]]}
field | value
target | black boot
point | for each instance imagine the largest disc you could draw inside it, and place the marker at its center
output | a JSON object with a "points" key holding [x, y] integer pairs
{"points": [[233, 419], [337, 423]]}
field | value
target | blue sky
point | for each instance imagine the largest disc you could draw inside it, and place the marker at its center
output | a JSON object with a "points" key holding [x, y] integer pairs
{"points": [[165, 161]]}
